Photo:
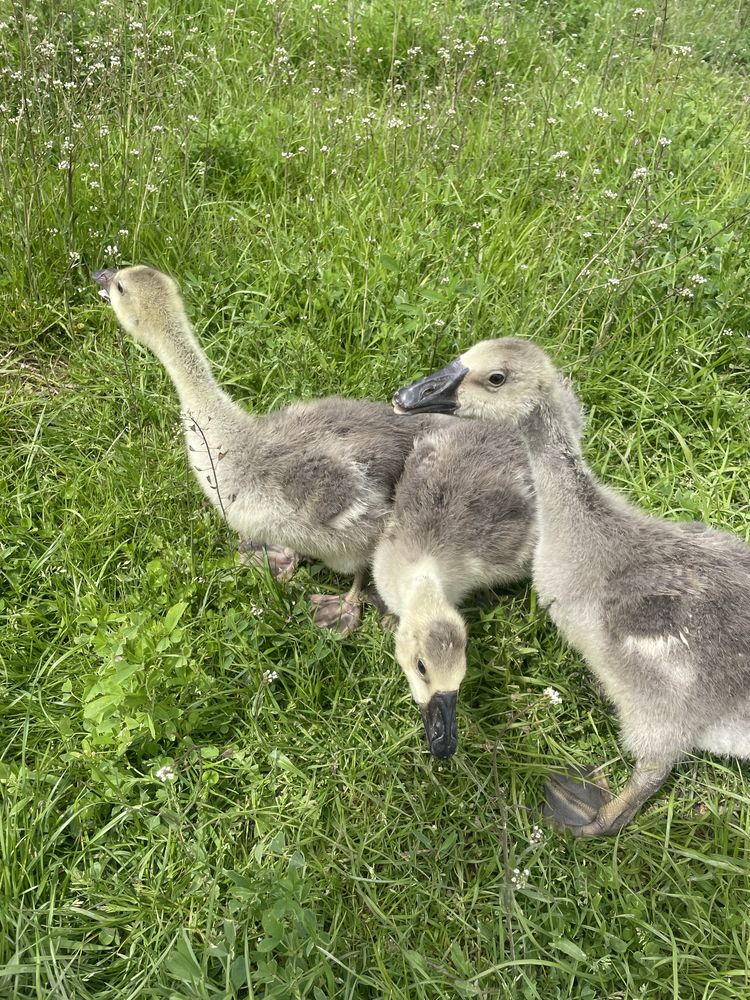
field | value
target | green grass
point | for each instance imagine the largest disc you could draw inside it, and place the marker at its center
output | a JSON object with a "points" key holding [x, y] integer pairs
{"points": [[308, 846]]}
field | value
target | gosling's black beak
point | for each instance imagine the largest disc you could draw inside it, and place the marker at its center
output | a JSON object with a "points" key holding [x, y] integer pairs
{"points": [[439, 717], [434, 393], [104, 279]]}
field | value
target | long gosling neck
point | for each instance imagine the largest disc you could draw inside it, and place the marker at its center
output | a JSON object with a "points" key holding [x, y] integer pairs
{"points": [[179, 351], [425, 602], [566, 491]]}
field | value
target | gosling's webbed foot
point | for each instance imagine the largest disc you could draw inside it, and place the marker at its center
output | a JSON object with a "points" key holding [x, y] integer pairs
{"points": [[339, 613], [281, 562], [572, 801], [587, 808]]}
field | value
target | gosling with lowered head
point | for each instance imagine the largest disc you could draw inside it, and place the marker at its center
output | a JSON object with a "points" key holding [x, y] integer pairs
{"points": [[463, 518]]}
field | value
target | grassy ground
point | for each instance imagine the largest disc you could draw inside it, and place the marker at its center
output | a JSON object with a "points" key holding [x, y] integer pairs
{"points": [[348, 192]]}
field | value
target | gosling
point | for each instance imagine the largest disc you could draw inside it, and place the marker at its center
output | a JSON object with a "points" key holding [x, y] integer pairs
{"points": [[660, 610], [314, 479], [463, 518]]}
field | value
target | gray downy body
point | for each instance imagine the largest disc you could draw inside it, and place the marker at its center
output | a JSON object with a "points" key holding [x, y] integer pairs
{"points": [[660, 610], [463, 513], [316, 477]]}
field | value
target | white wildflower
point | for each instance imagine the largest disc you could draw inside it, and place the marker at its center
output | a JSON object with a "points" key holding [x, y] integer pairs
{"points": [[166, 773], [549, 692], [520, 878]]}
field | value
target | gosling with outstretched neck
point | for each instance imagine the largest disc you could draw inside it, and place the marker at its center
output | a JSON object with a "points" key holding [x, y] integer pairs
{"points": [[314, 479]]}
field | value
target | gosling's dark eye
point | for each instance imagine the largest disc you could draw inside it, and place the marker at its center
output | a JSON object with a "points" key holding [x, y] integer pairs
{"points": [[497, 378], [421, 668], [120, 289]]}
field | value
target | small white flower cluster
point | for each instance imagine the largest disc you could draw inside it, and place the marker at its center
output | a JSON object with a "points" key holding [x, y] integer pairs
{"points": [[553, 694], [560, 154], [663, 141], [639, 172], [695, 280], [269, 676], [520, 878], [166, 773]]}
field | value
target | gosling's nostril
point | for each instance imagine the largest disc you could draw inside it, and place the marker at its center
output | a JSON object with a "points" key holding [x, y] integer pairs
{"points": [[431, 388]]}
